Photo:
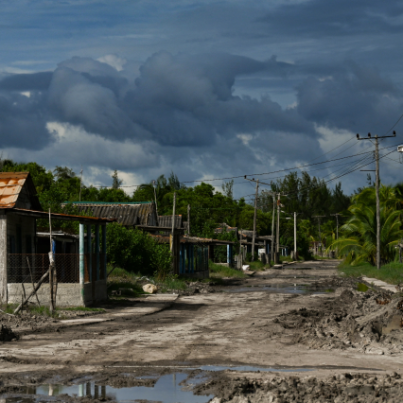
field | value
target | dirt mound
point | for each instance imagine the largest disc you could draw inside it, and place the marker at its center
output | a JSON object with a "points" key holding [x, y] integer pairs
{"points": [[369, 321], [337, 389]]}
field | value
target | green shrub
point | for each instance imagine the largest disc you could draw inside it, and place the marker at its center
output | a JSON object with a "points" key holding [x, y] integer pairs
{"points": [[136, 251]]}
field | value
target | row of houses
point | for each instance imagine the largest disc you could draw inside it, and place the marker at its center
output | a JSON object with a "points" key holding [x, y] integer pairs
{"points": [[81, 259]]}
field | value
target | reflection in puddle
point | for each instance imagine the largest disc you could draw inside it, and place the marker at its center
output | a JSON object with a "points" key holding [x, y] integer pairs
{"points": [[166, 390], [284, 289]]}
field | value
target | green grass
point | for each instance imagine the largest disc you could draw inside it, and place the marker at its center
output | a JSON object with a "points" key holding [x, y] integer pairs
{"points": [[257, 265], [219, 271], [392, 273], [173, 283]]}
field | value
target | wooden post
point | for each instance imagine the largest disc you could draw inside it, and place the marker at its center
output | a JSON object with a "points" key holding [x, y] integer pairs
{"points": [[173, 223], [273, 239], [378, 211], [254, 222], [3, 258], [51, 256]]}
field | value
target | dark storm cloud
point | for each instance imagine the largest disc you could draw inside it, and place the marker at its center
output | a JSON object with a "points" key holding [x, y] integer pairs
{"points": [[22, 122], [185, 108], [358, 99], [343, 17], [26, 82]]}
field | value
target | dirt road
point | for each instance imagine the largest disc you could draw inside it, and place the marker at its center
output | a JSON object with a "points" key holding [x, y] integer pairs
{"points": [[276, 319]]}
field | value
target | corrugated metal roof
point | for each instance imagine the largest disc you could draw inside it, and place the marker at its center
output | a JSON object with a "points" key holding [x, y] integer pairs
{"points": [[166, 221], [124, 213], [11, 186]]}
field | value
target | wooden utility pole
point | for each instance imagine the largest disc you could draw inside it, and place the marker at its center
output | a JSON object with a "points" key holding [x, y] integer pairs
{"points": [[337, 229], [188, 219], [320, 236], [273, 240], [254, 222], [295, 235], [173, 224], [51, 265], [378, 209], [155, 199], [81, 181], [278, 229]]}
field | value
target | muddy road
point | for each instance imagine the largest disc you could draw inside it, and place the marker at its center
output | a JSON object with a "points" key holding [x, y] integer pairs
{"points": [[296, 334]]}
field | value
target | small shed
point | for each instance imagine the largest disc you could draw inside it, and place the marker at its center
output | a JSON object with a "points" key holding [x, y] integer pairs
{"points": [[81, 274]]}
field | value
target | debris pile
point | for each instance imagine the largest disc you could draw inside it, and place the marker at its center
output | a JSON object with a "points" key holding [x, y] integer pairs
{"points": [[368, 321], [368, 388]]}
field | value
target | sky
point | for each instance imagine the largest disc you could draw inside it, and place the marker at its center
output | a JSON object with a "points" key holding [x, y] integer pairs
{"points": [[210, 89]]}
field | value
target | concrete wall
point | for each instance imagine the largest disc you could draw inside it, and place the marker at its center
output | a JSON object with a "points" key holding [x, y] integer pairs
{"points": [[67, 294]]}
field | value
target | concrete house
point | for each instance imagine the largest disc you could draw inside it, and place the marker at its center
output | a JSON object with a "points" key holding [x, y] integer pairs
{"points": [[81, 274]]}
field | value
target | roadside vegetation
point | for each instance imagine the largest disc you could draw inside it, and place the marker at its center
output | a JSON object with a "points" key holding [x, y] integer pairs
{"points": [[391, 273], [220, 271]]}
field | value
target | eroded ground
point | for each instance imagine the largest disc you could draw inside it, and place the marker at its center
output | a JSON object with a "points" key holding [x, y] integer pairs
{"points": [[329, 340]]}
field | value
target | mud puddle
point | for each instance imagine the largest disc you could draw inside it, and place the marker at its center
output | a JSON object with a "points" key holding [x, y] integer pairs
{"points": [[284, 288], [168, 389]]}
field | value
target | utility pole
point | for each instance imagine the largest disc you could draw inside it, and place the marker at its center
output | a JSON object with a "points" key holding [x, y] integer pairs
{"points": [[254, 222], [378, 210], [337, 229], [156, 206], [320, 236], [272, 223], [81, 181], [273, 217], [188, 219], [278, 228], [295, 235], [173, 224]]}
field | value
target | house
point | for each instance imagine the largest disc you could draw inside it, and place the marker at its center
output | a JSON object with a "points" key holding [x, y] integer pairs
{"points": [[128, 214], [81, 274]]}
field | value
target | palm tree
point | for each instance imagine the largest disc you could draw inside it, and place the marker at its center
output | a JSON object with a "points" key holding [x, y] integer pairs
{"points": [[358, 240]]}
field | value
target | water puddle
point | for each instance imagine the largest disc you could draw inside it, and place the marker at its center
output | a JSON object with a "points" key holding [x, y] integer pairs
{"points": [[171, 388], [284, 289], [166, 390]]}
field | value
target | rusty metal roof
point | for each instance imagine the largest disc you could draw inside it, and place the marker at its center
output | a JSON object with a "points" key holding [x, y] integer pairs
{"points": [[125, 213], [11, 186]]}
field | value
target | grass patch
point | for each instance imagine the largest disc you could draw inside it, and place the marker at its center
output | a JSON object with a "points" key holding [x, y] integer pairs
{"points": [[257, 265], [173, 283], [219, 271], [392, 273]]}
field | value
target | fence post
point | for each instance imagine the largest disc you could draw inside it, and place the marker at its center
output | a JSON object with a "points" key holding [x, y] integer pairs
{"points": [[81, 261]]}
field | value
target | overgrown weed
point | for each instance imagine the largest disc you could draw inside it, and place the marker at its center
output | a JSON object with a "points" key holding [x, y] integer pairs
{"points": [[391, 273], [220, 271]]}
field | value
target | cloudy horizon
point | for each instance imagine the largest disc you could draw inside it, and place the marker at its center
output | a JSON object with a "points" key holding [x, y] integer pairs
{"points": [[206, 90]]}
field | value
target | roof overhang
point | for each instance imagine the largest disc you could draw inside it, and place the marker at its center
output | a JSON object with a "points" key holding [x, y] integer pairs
{"points": [[58, 216]]}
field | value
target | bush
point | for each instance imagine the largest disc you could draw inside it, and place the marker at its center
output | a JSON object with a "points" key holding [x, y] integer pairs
{"points": [[136, 251]]}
